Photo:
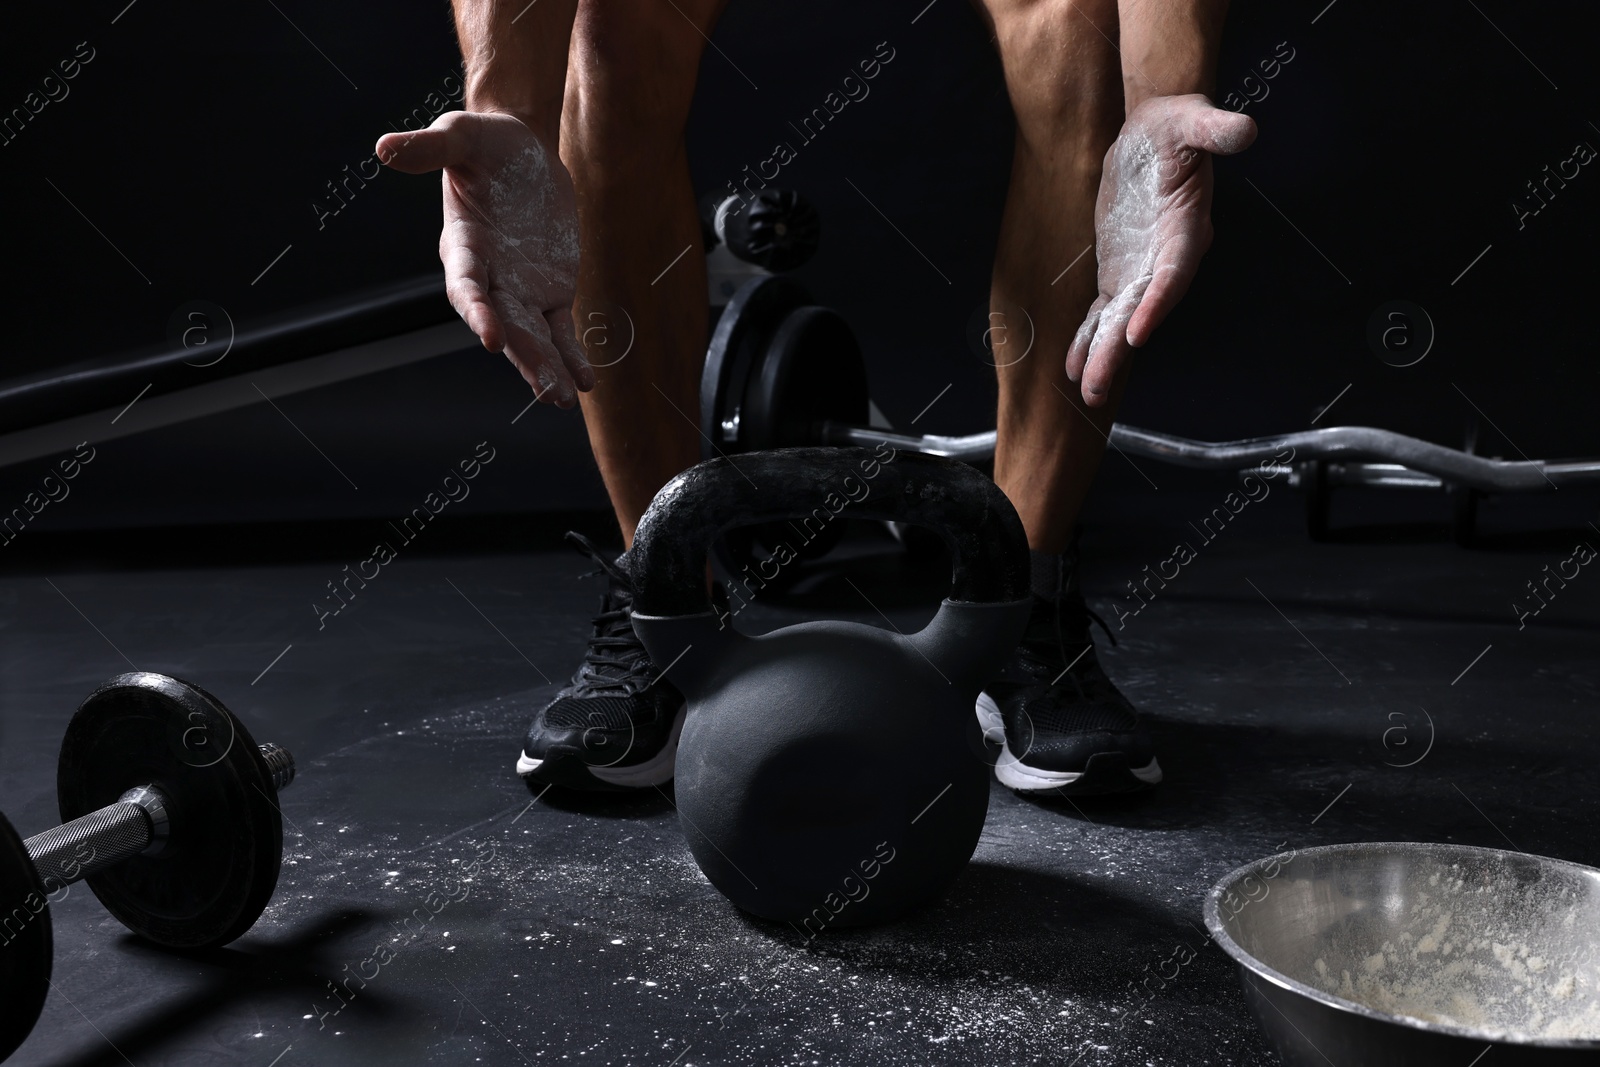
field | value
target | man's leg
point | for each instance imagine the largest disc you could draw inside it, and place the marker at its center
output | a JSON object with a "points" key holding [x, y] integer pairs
{"points": [[1066, 728], [1065, 81], [630, 80], [641, 278]]}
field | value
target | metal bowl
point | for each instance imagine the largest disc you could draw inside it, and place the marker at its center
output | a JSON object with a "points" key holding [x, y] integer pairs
{"points": [[1370, 955]]}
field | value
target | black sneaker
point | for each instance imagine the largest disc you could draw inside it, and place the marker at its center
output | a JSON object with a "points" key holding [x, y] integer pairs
{"points": [[1064, 727], [616, 724]]}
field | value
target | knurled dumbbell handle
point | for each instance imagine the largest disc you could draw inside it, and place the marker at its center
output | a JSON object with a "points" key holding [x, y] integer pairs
{"points": [[104, 838], [89, 845]]}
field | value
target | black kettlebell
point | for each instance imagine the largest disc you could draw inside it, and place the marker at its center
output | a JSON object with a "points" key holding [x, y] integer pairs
{"points": [[828, 772]]}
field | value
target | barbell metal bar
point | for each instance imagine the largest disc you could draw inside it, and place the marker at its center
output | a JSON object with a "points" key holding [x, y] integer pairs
{"points": [[972, 448], [1331, 442]]}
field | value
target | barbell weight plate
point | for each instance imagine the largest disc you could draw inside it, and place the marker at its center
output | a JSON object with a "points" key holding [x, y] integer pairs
{"points": [[26, 945], [219, 867], [776, 368], [737, 346], [810, 372]]}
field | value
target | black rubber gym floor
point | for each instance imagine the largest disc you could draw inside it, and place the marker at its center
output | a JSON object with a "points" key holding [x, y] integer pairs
{"points": [[1287, 683]]}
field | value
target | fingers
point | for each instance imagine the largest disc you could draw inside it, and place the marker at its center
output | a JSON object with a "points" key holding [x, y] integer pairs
{"points": [[1222, 133], [1166, 289], [467, 287], [563, 331], [1179, 262], [447, 143], [1078, 351], [1110, 347], [530, 347]]}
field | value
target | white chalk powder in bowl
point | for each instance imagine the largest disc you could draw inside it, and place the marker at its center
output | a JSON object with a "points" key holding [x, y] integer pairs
{"points": [[1475, 948]]}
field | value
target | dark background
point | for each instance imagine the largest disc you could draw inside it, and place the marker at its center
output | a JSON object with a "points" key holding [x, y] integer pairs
{"points": [[200, 135]]}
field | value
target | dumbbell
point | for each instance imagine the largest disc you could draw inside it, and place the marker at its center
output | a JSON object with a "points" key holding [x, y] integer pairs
{"points": [[170, 815]]}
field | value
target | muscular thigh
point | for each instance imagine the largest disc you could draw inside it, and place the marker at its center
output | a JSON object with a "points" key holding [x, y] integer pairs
{"points": [[631, 74]]}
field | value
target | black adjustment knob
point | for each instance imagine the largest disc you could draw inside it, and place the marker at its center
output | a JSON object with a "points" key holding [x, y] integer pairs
{"points": [[778, 229]]}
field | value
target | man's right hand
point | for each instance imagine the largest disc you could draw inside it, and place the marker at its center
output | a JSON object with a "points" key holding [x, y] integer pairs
{"points": [[510, 241]]}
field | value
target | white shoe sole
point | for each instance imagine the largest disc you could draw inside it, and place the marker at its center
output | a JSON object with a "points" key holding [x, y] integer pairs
{"points": [[1014, 774], [657, 770]]}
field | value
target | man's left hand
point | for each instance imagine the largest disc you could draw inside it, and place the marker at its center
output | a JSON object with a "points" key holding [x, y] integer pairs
{"points": [[1152, 225]]}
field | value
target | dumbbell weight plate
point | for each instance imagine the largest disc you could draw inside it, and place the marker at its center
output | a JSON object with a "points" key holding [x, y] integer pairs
{"points": [[26, 949], [218, 869]]}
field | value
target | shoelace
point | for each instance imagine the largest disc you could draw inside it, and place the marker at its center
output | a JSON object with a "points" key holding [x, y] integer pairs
{"points": [[1044, 658], [615, 661], [1089, 613]]}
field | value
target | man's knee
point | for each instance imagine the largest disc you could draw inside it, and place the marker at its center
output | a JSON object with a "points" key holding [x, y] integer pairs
{"points": [[1061, 62], [631, 74]]}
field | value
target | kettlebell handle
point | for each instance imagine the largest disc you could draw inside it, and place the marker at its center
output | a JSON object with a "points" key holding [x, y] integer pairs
{"points": [[987, 545]]}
